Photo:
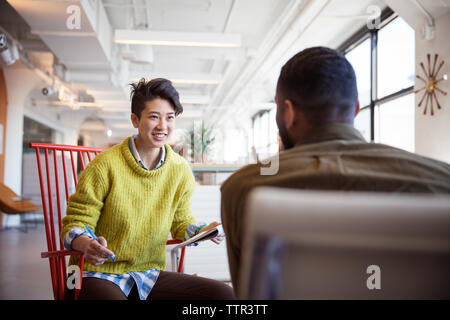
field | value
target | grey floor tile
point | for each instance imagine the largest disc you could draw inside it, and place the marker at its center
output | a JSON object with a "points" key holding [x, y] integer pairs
{"points": [[23, 273]]}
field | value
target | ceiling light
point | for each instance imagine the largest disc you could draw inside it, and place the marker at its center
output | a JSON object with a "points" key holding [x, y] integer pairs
{"points": [[190, 81], [181, 81], [169, 38], [182, 78], [184, 99]]}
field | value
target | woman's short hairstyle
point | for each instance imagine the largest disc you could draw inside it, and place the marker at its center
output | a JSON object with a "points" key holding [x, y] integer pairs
{"points": [[144, 91]]}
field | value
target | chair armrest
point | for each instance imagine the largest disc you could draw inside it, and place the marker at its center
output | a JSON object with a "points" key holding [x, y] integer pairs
{"points": [[60, 253], [170, 242], [19, 198]]}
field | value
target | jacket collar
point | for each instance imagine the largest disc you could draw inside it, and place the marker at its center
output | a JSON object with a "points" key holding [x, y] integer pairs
{"points": [[334, 131]]}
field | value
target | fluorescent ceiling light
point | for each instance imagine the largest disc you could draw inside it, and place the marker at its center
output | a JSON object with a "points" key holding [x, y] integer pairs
{"points": [[126, 126], [181, 80], [169, 38], [187, 78], [191, 114], [115, 102], [127, 110], [184, 99], [191, 81]]}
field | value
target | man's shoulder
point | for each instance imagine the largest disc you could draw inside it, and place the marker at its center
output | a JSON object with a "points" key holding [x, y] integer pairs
{"points": [[401, 154], [301, 165], [245, 176], [434, 167], [261, 172]]}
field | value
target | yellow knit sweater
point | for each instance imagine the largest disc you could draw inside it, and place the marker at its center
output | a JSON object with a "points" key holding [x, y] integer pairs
{"points": [[132, 208]]}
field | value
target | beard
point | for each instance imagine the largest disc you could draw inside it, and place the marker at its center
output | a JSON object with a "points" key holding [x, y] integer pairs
{"points": [[287, 142]]}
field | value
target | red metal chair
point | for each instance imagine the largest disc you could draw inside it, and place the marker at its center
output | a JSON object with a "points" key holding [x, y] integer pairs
{"points": [[57, 257]]}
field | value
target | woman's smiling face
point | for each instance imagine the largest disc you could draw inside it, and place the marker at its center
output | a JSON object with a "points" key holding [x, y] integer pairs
{"points": [[156, 123]]}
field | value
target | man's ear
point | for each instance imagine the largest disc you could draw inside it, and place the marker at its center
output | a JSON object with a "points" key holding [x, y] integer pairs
{"points": [[357, 108], [289, 114], [134, 120]]}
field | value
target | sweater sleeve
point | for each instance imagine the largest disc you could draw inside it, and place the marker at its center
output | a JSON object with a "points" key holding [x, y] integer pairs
{"points": [[85, 205], [183, 216]]}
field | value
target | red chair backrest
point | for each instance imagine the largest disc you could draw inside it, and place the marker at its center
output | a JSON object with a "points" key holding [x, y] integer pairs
{"points": [[85, 155]]}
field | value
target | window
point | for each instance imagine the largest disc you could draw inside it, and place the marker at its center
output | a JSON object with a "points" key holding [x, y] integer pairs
{"points": [[265, 133], [394, 123], [34, 131], [362, 123], [384, 63], [360, 60], [273, 132], [396, 57]]}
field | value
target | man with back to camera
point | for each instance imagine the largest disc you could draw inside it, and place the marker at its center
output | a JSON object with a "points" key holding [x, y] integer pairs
{"points": [[317, 101]]}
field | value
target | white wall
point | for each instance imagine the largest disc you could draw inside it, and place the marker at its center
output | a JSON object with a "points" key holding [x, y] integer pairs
{"points": [[21, 82], [432, 133], [96, 138], [207, 259]]}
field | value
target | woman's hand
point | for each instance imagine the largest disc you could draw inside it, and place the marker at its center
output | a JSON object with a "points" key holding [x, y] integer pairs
{"points": [[95, 252], [210, 226]]}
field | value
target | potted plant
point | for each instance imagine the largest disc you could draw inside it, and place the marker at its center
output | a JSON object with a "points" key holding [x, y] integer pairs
{"points": [[200, 142]]}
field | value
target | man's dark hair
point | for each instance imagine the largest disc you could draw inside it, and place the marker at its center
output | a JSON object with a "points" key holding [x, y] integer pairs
{"points": [[144, 91], [321, 83]]}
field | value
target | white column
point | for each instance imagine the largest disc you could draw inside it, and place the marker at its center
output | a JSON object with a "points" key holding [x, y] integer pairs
{"points": [[432, 134]]}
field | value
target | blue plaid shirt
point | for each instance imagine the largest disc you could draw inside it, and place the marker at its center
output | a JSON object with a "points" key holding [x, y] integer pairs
{"points": [[145, 280]]}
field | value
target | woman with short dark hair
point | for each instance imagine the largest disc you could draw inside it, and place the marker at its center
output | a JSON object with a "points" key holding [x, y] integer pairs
{"points": [[133, 195]]}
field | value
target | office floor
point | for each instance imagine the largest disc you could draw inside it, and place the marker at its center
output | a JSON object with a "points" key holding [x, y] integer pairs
{"points": [[23, 273]]}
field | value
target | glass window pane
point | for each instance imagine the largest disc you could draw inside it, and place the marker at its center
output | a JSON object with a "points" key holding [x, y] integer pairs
{"points": [[273, 129], [362, 123], [359, 57], [394, 123], [234, 146], [264, 130], [256, 134], [396, 57]]}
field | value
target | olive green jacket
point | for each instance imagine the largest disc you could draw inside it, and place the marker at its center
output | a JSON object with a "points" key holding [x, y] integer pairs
{"points": [[332, 157]]}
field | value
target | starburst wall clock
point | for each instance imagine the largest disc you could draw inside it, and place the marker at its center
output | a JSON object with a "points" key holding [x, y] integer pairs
{"points": [[431, 82]]}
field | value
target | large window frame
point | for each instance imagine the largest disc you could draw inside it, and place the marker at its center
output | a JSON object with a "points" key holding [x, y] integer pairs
{"points": [[269, 144], [363, 34]]}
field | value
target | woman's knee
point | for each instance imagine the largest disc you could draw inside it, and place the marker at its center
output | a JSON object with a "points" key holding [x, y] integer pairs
{"points": [[217, 290], [100, 289], [224, 292]]}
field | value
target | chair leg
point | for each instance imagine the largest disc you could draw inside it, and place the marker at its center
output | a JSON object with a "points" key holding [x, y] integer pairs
{"points": [[23, 227], [7, 227], [5, 222]]}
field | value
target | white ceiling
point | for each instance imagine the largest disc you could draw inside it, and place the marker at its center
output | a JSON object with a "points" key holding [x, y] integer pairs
{"points": [[271, 30], [96, 63]]}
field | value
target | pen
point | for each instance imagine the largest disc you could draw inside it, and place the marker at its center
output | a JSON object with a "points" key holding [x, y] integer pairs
{"points": [[95, 237]]}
